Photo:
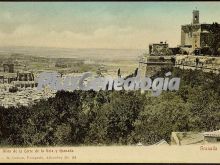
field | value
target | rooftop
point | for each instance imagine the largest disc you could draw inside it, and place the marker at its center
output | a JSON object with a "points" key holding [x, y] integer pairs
{"points": [[212, 134]]}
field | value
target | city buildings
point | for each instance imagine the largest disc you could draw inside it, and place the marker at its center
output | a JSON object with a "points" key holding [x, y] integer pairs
{"points": [[19, 87]]}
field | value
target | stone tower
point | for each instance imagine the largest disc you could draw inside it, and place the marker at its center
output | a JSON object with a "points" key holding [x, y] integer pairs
{"points": [[195, 17]]}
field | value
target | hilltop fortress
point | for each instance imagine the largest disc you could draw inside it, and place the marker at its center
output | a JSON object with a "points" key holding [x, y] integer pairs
{"points": [[196, 39], [199, 48], [196, 36]]}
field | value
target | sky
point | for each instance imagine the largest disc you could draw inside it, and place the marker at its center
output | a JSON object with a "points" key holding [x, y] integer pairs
{"points": [[111, 25]]}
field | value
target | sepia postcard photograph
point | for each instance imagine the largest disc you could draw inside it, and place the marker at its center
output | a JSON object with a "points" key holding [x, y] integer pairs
{"points": [[110, 82]]}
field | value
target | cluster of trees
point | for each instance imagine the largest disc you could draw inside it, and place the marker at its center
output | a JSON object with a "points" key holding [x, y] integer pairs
{"points": [[116, 117], [215, 39]]}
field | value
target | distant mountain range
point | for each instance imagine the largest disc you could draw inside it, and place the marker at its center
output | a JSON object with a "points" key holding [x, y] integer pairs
{"points": [[88, 54]]}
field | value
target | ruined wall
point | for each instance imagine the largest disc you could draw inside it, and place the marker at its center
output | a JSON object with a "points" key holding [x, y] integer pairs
{"points": [[160, 49], [190, 35]]}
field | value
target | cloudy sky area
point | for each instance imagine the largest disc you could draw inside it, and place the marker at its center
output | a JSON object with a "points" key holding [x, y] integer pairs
{"points": [[117, 25]]}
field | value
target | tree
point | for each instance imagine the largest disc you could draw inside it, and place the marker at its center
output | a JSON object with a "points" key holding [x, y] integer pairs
{"points": [[166, 113], [123, 111]]}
